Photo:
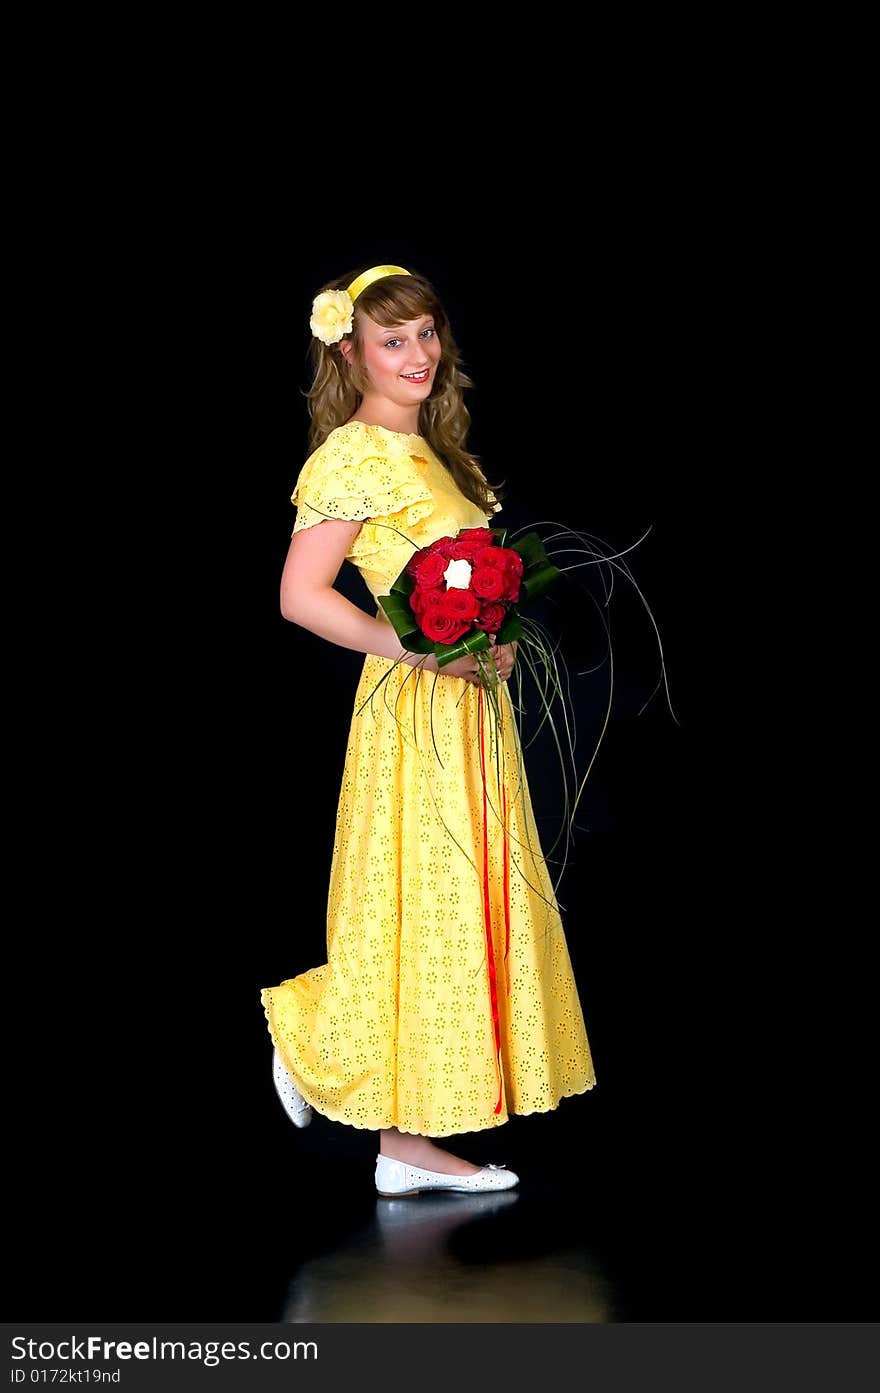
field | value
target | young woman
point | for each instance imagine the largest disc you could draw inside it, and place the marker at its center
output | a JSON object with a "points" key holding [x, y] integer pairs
{"points": [[447, 1000]]}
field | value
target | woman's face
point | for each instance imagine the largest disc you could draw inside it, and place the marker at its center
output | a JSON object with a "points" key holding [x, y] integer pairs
{"points": [[393, 358]]}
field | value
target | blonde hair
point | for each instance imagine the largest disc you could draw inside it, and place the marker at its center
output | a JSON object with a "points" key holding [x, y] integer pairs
{"points": [[338, 387]]}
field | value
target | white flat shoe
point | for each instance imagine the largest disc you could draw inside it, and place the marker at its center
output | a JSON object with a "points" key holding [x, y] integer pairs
{"points": [[395, 1178], [295, 1105]]}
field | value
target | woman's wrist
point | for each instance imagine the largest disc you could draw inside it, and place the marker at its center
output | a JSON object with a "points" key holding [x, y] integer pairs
{"points": [[389, 646], [426, 661]]}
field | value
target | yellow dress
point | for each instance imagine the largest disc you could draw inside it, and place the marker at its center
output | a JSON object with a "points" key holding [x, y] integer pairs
{"points": [[412, 1022]]}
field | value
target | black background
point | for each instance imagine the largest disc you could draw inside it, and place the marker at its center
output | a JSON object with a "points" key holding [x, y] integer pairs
{"points": [[174, 823]]}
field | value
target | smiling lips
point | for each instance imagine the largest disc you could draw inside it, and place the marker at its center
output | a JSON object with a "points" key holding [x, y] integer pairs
{"points": [[415, 377]]}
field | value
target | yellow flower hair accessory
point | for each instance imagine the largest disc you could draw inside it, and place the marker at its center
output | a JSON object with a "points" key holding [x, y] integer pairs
{"points": [[333, 310]]}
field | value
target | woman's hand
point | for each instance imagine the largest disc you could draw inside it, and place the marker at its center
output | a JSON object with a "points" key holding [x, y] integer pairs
{"points": [[503, 655], [465, 667]]}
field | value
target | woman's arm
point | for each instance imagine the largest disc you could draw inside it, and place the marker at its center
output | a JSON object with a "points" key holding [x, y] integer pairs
{"points": [[314, 559]]}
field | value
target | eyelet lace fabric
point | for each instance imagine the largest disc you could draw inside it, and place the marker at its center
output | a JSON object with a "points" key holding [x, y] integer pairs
{"points": [[400, 1026]]}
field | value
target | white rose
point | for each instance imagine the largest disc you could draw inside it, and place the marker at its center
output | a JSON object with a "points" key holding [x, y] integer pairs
{"points": [[458, 575]]}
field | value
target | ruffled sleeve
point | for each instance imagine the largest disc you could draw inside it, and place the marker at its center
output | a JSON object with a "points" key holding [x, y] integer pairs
{"points": [[359, 475]]}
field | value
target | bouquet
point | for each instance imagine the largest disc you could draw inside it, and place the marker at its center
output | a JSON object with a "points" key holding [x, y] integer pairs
{"points": [[453, 594]]}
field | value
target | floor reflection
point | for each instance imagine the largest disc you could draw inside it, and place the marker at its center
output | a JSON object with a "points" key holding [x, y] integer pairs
{"points": [[403, 1266]]}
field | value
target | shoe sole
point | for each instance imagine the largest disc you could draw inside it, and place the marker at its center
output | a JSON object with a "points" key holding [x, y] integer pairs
{"points": [[438, 1190]]}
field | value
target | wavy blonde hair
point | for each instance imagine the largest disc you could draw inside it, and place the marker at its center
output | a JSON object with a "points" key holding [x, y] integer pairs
{"points": [[338, 387]]}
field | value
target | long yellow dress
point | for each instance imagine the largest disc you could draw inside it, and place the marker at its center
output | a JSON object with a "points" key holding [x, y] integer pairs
{"points": [[412, 1022]]}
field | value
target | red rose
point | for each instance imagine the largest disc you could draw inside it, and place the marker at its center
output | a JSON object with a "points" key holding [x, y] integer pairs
{"points": [[480, 536], [512, 560], [430, 569], [428, 599], [488, 582], [491, 618], [511, 569], [491, 556], [471, 541], [462, 551], [461, 604], [444, 546], [440, 626], [510, 593]]}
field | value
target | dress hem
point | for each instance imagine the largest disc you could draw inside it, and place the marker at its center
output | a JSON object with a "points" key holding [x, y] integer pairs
{"points": [[476, 1126]]}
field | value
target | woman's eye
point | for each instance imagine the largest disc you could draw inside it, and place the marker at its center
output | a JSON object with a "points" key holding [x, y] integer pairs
{"points": [[424, 331]]}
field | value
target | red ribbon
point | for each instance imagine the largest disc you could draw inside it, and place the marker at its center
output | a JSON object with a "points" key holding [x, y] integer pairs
{"points": [[493, 991], [506, 883]]}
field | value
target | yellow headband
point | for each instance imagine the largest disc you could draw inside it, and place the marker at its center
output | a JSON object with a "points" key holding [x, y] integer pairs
{"points": [[333, 310], [375, 272]]}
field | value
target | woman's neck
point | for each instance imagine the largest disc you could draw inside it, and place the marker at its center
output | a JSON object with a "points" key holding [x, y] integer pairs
{"points": [[385, 414]]}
